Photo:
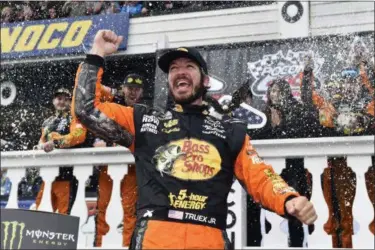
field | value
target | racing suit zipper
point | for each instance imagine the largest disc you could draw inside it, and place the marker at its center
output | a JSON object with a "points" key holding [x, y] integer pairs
{"points": [[189, 127]]}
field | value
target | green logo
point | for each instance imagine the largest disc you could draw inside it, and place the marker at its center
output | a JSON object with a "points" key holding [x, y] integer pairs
{"points": [[9, 238]]}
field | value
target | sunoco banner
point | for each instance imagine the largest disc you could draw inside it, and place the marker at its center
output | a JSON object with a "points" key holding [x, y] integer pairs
{"points": [[58, 36], [26, 229]]}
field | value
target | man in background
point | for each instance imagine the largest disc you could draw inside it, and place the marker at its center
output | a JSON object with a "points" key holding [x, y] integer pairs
{"points": [[62, 131]]}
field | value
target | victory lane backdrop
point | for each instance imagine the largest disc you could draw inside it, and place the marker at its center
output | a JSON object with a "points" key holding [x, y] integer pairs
{"points": [[263, 62], [27, 92], [27, 229]]}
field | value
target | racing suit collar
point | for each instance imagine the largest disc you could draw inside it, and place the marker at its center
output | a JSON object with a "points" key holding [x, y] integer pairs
{"points": [[61, 113], [189, 108]]}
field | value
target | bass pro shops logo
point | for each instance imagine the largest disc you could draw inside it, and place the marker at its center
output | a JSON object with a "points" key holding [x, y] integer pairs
{"points": [[188, 159], [12, 233], [278, 65]]}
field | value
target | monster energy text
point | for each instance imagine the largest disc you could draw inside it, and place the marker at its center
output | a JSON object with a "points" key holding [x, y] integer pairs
{"points": [[15, 230]]}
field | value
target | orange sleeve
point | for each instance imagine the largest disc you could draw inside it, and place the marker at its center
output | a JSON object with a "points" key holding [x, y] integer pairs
{"points": [[260, 180], [365, 80], [371, 107], [318, 101], [109, 121], [76, 136], [367, 84]]}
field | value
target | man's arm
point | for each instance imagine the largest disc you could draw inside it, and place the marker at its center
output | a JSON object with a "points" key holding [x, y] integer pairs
{"points": [[309, 96], [76, 136], [260, 180], [366, 82], [42, 138], [268, 188], [110, 121]]}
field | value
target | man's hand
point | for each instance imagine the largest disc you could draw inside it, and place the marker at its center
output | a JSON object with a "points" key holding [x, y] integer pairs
{"points": [[99, 144], [308, 62], [302, 209], [106, 42], [48, 146]]}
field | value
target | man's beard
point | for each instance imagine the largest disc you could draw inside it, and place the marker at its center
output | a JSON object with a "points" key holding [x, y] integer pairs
{"points": [[198, 92]]}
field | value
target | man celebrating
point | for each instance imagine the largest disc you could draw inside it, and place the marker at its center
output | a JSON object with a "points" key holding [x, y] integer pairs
{"points": [[185, 159]]}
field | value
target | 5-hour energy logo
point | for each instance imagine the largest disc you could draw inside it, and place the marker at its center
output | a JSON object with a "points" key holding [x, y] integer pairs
{"points": [[187, 201]]}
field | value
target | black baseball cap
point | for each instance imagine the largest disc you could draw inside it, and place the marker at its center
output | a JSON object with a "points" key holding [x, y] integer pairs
{"points": [[62, 91], [192, 53], [134, 80]]}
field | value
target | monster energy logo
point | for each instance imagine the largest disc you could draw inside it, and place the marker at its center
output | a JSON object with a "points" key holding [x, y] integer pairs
{"points": [[14, 225]]}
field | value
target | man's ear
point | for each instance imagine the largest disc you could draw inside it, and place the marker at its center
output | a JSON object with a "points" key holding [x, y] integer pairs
{"points": [[206, 82]]}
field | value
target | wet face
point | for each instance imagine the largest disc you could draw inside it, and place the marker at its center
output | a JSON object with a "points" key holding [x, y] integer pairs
{"points": [[246, 98], [28, 13], [275, 95], [132, 94], [3, 172], [52, 13], [61, 102], [185, 81], [6, 15]]}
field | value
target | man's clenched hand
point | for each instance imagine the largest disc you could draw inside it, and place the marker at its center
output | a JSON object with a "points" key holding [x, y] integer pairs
{"points": [[302, 209], [48, 146], [106, 42]]}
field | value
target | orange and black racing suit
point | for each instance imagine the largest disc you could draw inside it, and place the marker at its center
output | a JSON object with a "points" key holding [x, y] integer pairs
{"points": [[185, 160], [66, 132]]}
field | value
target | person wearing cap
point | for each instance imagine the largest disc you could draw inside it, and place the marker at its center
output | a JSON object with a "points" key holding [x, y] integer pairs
{"points": [[132, 90], [61, 130], [185, 159]]}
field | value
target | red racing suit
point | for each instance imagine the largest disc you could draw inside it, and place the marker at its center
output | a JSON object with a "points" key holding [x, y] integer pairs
{"points": [[186, 162]]}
